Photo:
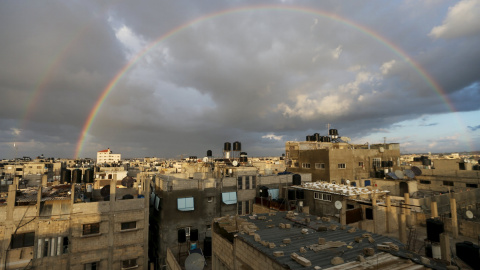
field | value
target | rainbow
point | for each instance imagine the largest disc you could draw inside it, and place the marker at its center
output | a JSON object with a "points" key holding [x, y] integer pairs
{"points": [[395, 49]]}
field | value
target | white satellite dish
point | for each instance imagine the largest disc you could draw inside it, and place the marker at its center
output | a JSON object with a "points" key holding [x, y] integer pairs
{"points": [[205, 159], [469, 214], [347, 182], [338, 205], [235, 163]]}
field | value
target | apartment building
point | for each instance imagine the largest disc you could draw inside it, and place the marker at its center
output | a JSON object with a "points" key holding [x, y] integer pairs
{"points": [[74, 226], [335, 160], [106, 156]]}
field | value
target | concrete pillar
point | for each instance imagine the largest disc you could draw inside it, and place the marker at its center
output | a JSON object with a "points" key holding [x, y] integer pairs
{"points": [[343, 213], [408, 213], [402, 226], [44, 180], [388, 202], [453, 210], [434, 209], [445, 247]]}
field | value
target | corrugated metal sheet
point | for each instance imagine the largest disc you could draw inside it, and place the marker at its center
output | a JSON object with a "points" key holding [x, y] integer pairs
{"points": [[348, 252]]}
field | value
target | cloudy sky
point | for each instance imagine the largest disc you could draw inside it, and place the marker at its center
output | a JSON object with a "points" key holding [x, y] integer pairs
{"points": [[166, 78]]}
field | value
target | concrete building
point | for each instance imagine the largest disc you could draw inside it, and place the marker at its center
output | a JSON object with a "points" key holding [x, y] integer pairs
{"points": [[74, 226], [287, 240], [184, 204], [335, 160], [106, 156]]}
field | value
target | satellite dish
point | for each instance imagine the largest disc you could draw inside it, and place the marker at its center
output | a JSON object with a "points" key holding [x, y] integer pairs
{"points": [[381, 150], [235, 163], [469, 214], [409, 173], [399, 174], [416, 170], [195, 261], [347, 182], [205, 159], [338, 205], [392, 175], [345, 139], [105, 191]]}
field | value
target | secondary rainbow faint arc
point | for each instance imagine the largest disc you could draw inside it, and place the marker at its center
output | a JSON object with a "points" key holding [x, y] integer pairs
{"points": [[395, 49]]}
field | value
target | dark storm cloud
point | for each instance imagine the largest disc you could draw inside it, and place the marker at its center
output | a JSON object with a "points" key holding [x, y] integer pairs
{"points": [[474, 128], [261, 75]]}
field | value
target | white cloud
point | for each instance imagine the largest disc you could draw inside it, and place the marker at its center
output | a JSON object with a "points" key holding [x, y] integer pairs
{"points": [[385, 68], [272, 136], [132, 42], [336, 53], [309, 108], [462, 20]]}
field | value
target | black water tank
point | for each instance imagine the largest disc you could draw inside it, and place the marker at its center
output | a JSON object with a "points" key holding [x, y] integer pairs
{"points": [[296, 180], [333, 132], [428, 251], [390, 163], [426, 162], [317, 137], [209, 153], [77, 176], [227, 146], [469, 253], [384, 164], [207, 247], [194, 235], [327, 139], [300, 194], [291, 194], [88, 176], [264, 192], [127, 197], [182, 237], [307, 138], [66, 176], [237, 146], [434, 228]]}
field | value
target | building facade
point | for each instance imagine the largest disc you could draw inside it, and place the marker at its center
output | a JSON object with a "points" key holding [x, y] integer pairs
{"points": [[106, 156]]}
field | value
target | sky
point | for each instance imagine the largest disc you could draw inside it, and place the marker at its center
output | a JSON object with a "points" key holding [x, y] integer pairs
{"points": [[160, 78]]}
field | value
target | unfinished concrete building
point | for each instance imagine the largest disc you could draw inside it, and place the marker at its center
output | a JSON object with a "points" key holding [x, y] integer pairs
{"points": [[74, 226], [331, 159]]}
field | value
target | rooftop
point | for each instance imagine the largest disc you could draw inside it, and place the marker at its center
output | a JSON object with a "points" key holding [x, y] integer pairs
{"points": [[340, 189], [319, 240]]}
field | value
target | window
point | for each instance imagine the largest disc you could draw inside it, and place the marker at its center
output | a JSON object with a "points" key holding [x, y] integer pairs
{"points": [[247, 182], [342, 165], [23, 240], [448, 183], [93, 228], [306, 165], [247, 207], [65, 245], [472, 185], [377, 162], [322, 196], [129, 225], [239, 208], [239, 181], [426, 182], [210, 199], [185, 204], [360, 164], [92, 266], [129, 263], [273, 193], [320, 166], [229, 197], [369, 213], [254, 181]]}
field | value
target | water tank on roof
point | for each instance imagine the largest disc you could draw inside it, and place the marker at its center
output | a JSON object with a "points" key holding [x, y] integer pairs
{"points": [[327, 139], [237, 146], [227, 146], [469, 253], [317, 137], [77, 176], [426, 162], [307, 138], [66, 176], [182, 236], [300, 194], [209, 153], [296, 179], [194, 235], [434, 228], [264, 192], [88, 176], [333, 132]]}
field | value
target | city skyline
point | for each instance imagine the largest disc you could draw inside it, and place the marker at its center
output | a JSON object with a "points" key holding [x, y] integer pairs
{"points": [[159, 79]]}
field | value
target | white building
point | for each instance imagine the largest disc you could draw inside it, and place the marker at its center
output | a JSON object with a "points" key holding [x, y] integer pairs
{"points": [[106, 156]]}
